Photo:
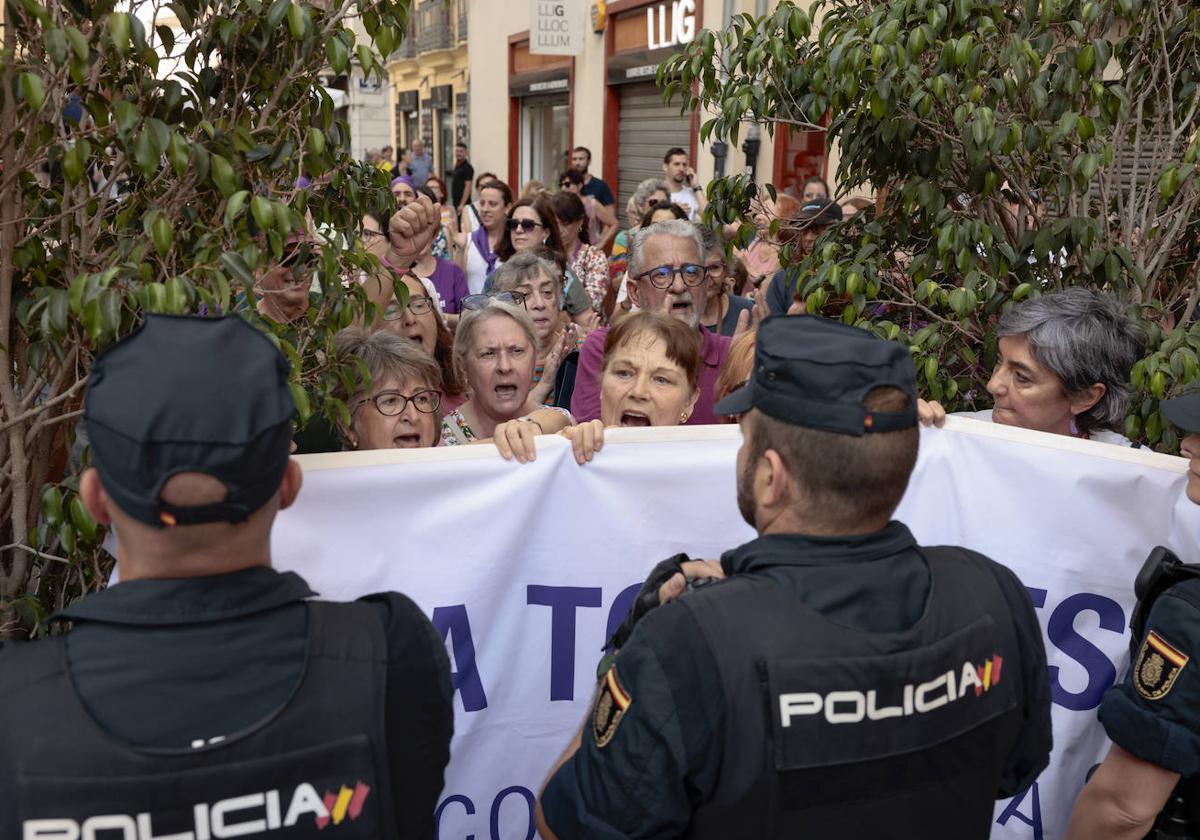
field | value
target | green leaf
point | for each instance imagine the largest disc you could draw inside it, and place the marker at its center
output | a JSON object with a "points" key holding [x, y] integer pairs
{"points": [[83, 522], [300, 397], [276, 13], [79, 44], [299, 21], [118, 31], [33, 91], [223, 175], [260, 208], [52, 505], [234, 205], [55, 42], [336, 54], [236, 265]]}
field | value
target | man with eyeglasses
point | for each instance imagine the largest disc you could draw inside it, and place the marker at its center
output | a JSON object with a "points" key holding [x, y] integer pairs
{"points": [[666, 274]]}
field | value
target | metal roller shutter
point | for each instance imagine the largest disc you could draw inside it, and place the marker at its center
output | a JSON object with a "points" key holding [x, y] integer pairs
{"points": [[647, 129]]}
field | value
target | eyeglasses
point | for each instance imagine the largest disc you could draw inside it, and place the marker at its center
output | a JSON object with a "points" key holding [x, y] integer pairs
{"points": [[664, 275], [715, 270], [392, 403], [526, 225], [417, 305], [480, 301], [372, 234]]}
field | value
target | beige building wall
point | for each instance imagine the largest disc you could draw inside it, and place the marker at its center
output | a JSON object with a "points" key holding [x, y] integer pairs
{"points": [[493, 22]]}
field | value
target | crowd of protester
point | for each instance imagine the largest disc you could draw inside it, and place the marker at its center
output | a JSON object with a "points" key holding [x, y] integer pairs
{"points": [[542, 313]]}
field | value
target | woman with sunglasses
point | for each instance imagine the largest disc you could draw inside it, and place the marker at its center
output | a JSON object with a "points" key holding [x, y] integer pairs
{"points": [[484, 249], [401, 409], [533, 226], [496, 347]]}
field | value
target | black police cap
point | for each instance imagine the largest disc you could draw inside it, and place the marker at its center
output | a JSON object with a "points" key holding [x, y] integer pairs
{"points": [[1184, 411], [185, 394], [816, 373]]}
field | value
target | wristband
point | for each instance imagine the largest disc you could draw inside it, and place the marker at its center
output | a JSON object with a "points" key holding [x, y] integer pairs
{"points": [[530, 420]]}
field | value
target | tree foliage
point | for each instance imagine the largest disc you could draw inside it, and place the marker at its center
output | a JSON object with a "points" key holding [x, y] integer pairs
{"points": [[1015, 147], [155, 165]]}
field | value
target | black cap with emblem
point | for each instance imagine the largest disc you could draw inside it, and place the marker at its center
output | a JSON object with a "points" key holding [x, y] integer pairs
{"points": [[183, 395], [813, 372]]}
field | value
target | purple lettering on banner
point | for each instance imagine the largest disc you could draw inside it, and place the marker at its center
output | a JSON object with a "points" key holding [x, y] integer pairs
{"points": [[453, 621], [620, 609], [1034, 820], [468, 806], [1038, 596], [563, 601], [499, 800], [1060, 631]]}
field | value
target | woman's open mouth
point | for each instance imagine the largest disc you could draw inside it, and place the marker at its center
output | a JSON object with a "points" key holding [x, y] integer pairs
{"points": [[505, 392], [634, 418], [408, 440]]}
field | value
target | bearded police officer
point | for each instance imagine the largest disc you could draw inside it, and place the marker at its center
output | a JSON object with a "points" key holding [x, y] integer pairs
{"points": [[205, 695], [840, 681], [1152, 769]]}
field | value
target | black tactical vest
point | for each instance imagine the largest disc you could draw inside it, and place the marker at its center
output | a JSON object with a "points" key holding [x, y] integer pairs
{"points": [[316, 768], [839, 733]]}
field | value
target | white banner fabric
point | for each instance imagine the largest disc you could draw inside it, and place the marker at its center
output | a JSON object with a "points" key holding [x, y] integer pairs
{"points": [[525, 568]]}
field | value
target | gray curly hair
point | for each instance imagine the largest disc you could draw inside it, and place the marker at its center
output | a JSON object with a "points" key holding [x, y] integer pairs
{"points": [[1083, 337]]}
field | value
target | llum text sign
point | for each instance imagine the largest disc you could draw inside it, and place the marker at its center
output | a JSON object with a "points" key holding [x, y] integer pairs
{"points": [[671, 26], [557, 27]]}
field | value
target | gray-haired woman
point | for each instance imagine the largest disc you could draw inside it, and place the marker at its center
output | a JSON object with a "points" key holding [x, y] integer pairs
{"points": [[402, 407], [1063, 367], [495, 345]]}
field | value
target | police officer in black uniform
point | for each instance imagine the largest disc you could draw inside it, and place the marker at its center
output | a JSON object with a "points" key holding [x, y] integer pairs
{"points": [[840, 681], [206, 695], [1153, 716]]}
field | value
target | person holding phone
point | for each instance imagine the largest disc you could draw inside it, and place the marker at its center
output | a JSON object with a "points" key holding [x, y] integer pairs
{"points": [[681, 178]]}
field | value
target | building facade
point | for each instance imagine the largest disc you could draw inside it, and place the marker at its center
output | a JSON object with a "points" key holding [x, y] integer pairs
{"points": [[430, 81], [529, 110]]}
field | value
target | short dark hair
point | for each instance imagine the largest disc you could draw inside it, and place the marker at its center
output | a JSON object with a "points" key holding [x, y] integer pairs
{"points": [[572, 175], [500, 187], [845, 480], [585, 150], [671, 152], [682, 341], [569, 208], [461, 145], [675, 209]]}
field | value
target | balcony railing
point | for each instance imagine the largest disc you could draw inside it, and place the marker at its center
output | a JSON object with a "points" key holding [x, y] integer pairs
{"points": [[461, 16], [433, 27], [408, 47]]}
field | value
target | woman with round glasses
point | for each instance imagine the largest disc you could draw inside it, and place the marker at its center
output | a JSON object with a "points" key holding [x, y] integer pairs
{"points": [[402, 407], [420, 321], [496, 347]]}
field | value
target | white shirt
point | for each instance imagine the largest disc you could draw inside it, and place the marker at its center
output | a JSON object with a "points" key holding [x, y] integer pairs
{"points": [[686, 198], [1101, 435]]}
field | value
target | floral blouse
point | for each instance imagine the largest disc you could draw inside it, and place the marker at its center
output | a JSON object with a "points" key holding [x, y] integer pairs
{"points": [[591, 267]]}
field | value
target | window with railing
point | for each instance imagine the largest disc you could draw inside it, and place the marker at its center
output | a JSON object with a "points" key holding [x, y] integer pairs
{"points": [[461, 19], [433, 26]]}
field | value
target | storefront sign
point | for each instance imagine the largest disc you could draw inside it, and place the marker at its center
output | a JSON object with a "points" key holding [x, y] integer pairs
{"points": [[669, 31], [558, 27]]}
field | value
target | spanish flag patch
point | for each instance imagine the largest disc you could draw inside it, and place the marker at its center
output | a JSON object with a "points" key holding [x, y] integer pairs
{"points": [[1158, 665], [612, 701]]}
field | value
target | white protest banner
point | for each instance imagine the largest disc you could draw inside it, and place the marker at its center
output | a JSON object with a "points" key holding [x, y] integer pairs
{"points": [[525, 569], [557, 27]]}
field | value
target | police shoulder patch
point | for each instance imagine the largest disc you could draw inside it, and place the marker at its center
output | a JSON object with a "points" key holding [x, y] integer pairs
{"points": [[612, 701], [1158, 665]]}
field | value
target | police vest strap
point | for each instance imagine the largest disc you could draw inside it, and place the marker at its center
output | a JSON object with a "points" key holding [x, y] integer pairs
{"points": [[1160, 572]]}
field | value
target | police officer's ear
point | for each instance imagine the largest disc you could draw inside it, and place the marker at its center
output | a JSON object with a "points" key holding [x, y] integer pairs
{"points": [[91, 491], [289, 489], [775, 484]]}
